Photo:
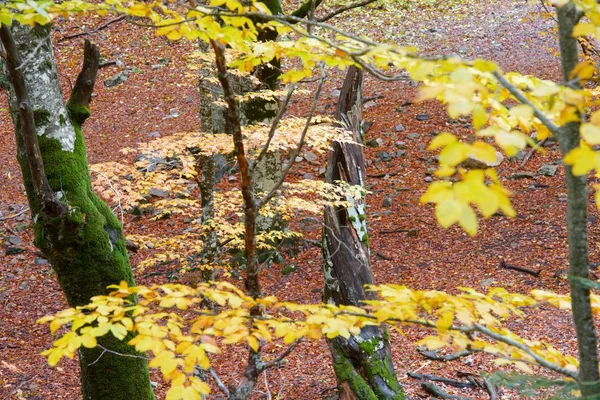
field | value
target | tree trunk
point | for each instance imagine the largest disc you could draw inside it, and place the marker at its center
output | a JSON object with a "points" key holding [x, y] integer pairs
{"points": [[577, 202], [79, 235], [363, 363]]}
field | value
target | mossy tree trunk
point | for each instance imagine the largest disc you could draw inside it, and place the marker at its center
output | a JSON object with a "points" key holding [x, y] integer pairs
{"points": [[363, 363], [577, 203], [74, 229]]}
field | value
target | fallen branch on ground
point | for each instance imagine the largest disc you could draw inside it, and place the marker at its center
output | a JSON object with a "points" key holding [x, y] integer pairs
{"points": [[383, 175], [433, 378], [440, 393], [394, 231], [504, 265], [433, 355]]}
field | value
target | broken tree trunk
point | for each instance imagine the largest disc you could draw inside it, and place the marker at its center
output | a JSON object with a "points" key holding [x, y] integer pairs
{"points": [[75, 230], [363, 363]]}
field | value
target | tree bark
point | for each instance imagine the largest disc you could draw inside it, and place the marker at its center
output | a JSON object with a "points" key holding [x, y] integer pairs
{"points": [[363, 363], [80, 237], [577, 202]]}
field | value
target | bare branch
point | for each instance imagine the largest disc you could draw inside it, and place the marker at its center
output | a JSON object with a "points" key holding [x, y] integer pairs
{"points": [[103, 26], [274, 125], [541, 361], [277, 361], [287, 169], [218, 381], [340, 10], [105, 350]]}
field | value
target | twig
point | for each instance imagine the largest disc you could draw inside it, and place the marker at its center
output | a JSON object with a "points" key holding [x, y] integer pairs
{"points": [[285, 172], [105, 350], [375, 97], [383, 256], [103, 26], [267, 386], [451, 382], [486, 331], [340, 10], [274, 125], [540, 360], [277, 361], [530, 153], [104, 64], [439, 392], [384, 174], [504, 265], [393, 231], [218, 381], [15, 215]]}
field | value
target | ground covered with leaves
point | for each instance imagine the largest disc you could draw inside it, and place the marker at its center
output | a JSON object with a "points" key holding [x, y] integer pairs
{"points": [[158, 95]]}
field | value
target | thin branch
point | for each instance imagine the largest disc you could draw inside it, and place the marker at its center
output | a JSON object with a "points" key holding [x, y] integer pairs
{"points": [[105, 350], [287, 169], [480, 328], [274, 125], [15, 215], [269, 397], [277, 361], [340, 10], [512, 89], [540, 360], [103, 26], [537, 147], [218, 382], [439, 392]]}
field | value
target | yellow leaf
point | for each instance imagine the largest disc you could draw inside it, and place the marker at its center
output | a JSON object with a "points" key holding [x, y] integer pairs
{"points": [[584, 70], [437, 192], [445, 321], [55, 357], [448, 212], [454, 154], [166, 361], [590, 133], [522, 110], [480, 117], [118, 331], [253, 343], [442, 140], [88, 341], [583, 29], [432, 342], [468, 220], [583, 159]]}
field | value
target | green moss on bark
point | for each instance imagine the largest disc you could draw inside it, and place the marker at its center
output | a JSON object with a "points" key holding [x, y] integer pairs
{"points": [[87, 250], [346, 373], [372, 377]]}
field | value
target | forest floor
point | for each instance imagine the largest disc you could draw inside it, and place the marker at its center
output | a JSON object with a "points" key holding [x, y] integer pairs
{"points": [[161, 96]]}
